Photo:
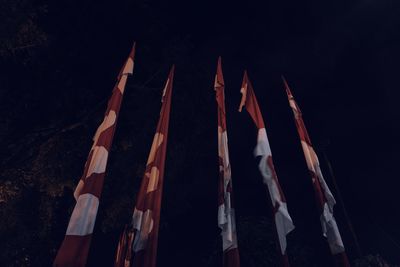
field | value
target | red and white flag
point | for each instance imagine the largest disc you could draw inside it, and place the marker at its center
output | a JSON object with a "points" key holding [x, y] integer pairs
{"points": [[324, 197], [75, 247], [124, 249], [141, 249], [283, 221], [226, 211]]}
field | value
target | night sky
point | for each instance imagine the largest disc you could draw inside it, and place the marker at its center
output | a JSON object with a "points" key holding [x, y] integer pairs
{"points": [[339, 57]]}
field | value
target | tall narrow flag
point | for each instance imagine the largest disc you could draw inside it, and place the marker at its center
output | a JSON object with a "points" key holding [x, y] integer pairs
{"points": [[140, 247], [75, 247], [323, 195], [124, 249], [282, 220], [226, 211]]}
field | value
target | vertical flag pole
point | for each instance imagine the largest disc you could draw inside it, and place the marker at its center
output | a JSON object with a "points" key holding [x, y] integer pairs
{"points": [[140, 249], [323, 195], [226, 207], [281, 219], [339, 197], [74, 249]]}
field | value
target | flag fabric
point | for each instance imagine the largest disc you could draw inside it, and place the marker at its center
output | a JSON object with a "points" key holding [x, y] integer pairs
{"points": [[226, 211], [75, 247], [124, 249], [324, 196], [283, 221], [141, 248]]}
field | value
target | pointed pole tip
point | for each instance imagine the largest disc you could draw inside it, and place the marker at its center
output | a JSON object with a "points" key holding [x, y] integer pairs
{"points": [[284, 81], [286, 86], [172, 71], [244, 75], [133, 51]]}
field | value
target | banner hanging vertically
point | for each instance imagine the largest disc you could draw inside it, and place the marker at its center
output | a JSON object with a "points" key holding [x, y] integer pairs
{"points": [[75, 247], [323, 195], [226, 211], [282, 220], [138, 243]]}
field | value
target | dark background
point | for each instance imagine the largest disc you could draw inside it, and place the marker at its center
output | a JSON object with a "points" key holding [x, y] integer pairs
{"points": [[58, 64]]}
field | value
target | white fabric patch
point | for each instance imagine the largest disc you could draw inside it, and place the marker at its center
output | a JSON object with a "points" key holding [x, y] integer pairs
{"points": [[165, 90], [243, 91], [142, 235], [328, 222], [284, 223], [263, 147], [137, 219], [313, 156], [84, 215], [313, 165], [216, 83], [327, 192], [153, 180], [226, 221], [331, 231], [307, 154], [223, 152], [292, 104], [108, 121], [221, 215], [226, 214], [122, 83], [128, 69], [78, 189], [98, 163], [157, 141], [228, 233]]}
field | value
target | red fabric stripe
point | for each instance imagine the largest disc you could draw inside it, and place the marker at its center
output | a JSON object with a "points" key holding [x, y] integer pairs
{"points": [[73, 251], [253, 109], [114, 103], [341, 260], [131, 56], [105, 139], [151, 252], [220, 96], [231, 258], [133, 51], [251, 103], [139, 259], [121, 249], [275, 177], [319, 194], [302, 130], [152, 200], [94, 184]]}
